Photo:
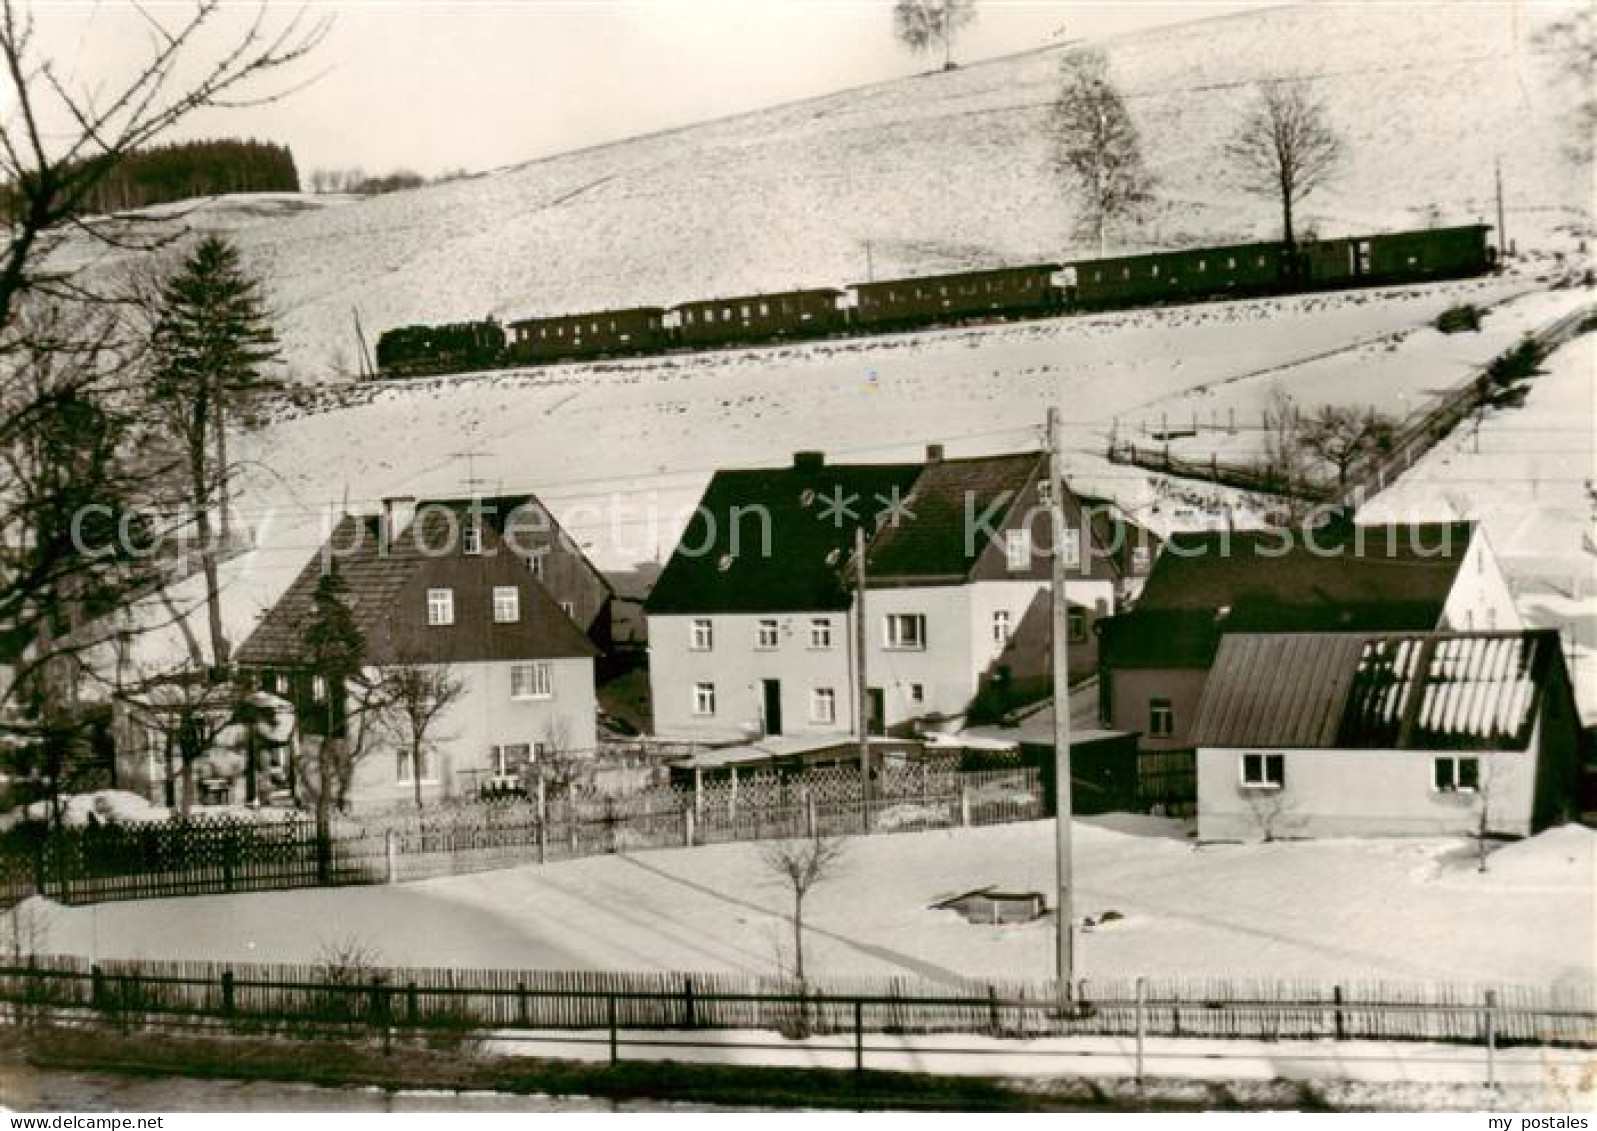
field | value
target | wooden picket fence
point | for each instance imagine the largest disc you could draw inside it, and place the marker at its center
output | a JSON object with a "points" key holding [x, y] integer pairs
{"points": [[205, 856], [130, 993]]}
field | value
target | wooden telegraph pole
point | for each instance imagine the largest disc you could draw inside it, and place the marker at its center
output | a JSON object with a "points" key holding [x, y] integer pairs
{"points": [[1064, 927], [861, 691]]}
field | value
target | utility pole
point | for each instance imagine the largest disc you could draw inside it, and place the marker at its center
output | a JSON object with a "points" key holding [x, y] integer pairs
{"points": [[1502, 224], [870, 267], [1065, 916], [862, 693]]}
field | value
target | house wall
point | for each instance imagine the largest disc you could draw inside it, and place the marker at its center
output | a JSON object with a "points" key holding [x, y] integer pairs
{"points": [[738, 666], [485, 716], [1130, 690], [1480, 598], [1361, 793], [948, 667]]}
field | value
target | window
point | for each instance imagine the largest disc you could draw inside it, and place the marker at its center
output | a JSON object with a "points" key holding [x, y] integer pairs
{"points": [[402, 766], [1001, 626], [507, 604], [319, 688], [766, 635], [703, 638], [1017, 549], [1264, 771], [1072, 547], [906, 631], [531, 680], [509, 759], [535, 563], [569, 608], [917, 693], [704, 698], [820, 633], [1076, 626], [471, 539], [440, 606], [1161, 718], [823, 705], [1454, 775], [1139, 559]]}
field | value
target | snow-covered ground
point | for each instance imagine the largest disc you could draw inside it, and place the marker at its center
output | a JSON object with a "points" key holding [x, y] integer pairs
{"points": [[1396, 910], [941, 171]]}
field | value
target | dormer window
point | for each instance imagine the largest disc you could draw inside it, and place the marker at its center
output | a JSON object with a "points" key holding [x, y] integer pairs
{"points": [[1017, 549], [471, 538], [806, 497]]}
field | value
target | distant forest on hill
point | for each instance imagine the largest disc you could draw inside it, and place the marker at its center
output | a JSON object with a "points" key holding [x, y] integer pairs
{"points": [[192, 168]]}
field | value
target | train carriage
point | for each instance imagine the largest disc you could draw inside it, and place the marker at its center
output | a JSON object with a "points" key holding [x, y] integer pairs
{"points": [[1204, 272], [758, 318], [966, 294], [599, 333]]}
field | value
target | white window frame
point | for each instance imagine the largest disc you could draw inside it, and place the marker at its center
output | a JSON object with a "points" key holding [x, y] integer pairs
{"points": [[535, 563], [531, 679], [767, 635], [429, 767], [701, 635], [318, 689], [1017, 550], [569, 608], [1139, 559], [471, 539], [440, 608], [823, 705], [1263, 779], [1072, 547], [507, 604], [704, 700], [820, 633], [1456, 762], [1002, 626], [895, 639], [1076, 626], [1169, 709]]}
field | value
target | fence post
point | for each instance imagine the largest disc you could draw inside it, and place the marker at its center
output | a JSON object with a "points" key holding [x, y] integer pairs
{"points": [[687, 999], [390, 853], [1142, 1022], [615, 1054], [1341, 1025], [1491, 1040], [227, 993], [229, 848], [412, 1005], [994, 1019], [809, 813], [964, 805], [687, 827], [859, 1036], [96, 987], [523, 1017]]}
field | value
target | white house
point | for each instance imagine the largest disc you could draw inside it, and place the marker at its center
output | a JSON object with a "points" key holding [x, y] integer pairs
{"points": [[1405, 734]]}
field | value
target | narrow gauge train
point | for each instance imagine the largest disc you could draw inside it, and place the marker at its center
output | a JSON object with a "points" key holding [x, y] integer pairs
{"points": [[1032, 290]]}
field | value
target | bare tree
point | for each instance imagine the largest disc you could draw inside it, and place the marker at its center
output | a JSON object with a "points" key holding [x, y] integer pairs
{"points": [[419, 697], [1343, 436], [801, 866], [1573, 42], [1285, 148], [922, 25], [1096, 147]]}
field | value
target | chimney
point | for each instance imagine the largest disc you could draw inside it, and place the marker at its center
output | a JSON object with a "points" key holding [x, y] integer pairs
{"points": [[934, 453], [398, 513], [809, 461]]}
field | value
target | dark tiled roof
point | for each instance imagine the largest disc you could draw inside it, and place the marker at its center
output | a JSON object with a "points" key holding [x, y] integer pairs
{"points": [[933, 542], [375, 580], [802, 565], [1425, 691], [1369, 580], [502, 511]]}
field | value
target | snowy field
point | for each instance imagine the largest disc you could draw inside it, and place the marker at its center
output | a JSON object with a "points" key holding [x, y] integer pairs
{"points": [[1396, 910], [937, 172]]}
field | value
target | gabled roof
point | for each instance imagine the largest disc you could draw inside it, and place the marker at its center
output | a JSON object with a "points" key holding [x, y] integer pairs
{"points": [[1421, 691], [502, 511], [776, 539], [930, 540], [1356, 579], [376, 576]]}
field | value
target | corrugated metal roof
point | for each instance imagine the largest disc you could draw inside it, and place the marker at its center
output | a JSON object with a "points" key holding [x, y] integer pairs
{"points": [[1433, 691]]}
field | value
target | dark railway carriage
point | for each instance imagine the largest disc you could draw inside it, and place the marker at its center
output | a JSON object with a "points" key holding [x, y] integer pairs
{"points": [[758, 318], [1205, 272], [1398, 257], [966, 294], [599, 333]]}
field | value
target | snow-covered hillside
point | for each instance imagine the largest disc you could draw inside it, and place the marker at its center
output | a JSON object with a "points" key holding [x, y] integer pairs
{"points": [[937, 172]]}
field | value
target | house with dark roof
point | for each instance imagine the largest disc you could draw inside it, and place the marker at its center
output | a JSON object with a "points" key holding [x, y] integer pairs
{"points": [[430, 590], [1386, 734], [752, 623], [1156, 659]]}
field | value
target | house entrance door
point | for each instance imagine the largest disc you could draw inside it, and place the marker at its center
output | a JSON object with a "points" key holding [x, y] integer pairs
{"points": [[773, 706]]}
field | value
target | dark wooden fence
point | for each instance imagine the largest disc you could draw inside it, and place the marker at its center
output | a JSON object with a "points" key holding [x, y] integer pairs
{"points": [[1168, 780], [286, 996], [206, 856]]}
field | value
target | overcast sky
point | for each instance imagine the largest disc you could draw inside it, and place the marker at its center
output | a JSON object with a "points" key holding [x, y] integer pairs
{"points": [[439, 85]]}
